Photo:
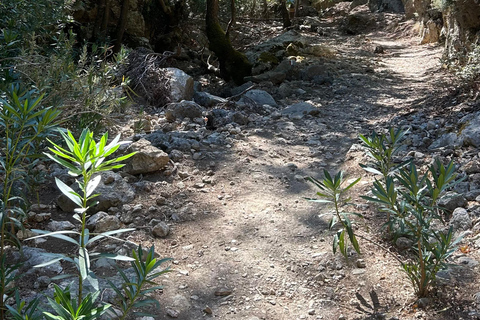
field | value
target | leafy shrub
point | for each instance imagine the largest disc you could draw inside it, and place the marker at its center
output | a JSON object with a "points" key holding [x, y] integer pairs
{"points": [[24, 125], [333, 192], [411, 200], [84, 159]]}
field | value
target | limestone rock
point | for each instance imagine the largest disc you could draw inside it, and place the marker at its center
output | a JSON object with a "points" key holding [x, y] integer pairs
{"points": [[36, 256], [181, 84], [161, 230], [358, 22], [471, 133], [107, 223], [460, 220], [183, 109], [94, 219], [261, 97], [147, 159], [431, 32], [447, 140], [452, 201], [60, 225], [299, 110], [208, 100], [115, 193]]}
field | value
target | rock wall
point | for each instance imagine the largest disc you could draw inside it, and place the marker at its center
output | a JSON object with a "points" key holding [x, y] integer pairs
{"points": [[461, 28]]}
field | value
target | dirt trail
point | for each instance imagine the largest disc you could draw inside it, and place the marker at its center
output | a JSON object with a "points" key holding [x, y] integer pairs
{"points": [[252, 233]]}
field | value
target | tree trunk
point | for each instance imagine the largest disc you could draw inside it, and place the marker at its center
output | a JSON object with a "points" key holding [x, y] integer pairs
{"points": [[285, 14], [233, 19], [297, 5], [233, 64], [265, 10], [106, 17], [252, 10], [121, 26], [99, 19]]}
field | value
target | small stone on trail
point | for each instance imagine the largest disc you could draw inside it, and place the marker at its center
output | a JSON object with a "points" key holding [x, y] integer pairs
{"points": [[208, 310], [161, 230], [223, 292], [361, 263], [172, 313]]}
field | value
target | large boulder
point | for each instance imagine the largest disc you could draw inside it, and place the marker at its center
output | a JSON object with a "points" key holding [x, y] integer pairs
{"points": [[181, 84], [147, 158], [358, 21], [112, 189]]}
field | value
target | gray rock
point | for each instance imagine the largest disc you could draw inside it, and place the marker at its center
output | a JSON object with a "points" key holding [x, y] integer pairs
{"points": [[447, 140], [260, 97], [299, 110], [313, 71], [460, 220], [36, 256], [274, 77], [462, 187], [471, 167], [176, 155], [161, 230], [108, 223], [60, 225], [126, 217], [94, 219], [452, 200], [147, 159], [467, 261], [114, 194], [207, 100], [403, 243], [471, 133], [183, 109], [240, 89], [181, 144], [240, 118], [443, 277], [472, 194], [181, 84]]}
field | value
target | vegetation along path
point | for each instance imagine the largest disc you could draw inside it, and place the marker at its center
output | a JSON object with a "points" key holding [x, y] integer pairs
{"points": [[251, 247], [229, 202]]}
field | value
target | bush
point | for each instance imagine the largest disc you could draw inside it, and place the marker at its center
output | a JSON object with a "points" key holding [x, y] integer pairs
{"points": [[410, 199]]}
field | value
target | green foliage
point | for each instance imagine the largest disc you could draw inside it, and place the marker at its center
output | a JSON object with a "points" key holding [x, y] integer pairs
{"points": [[8, 275], [470, 71], [24, 125], [67, 309], [381, 149], [40, 51], [133, 294], [24, 311], [410, 199], [333, 192], [84, 159]]}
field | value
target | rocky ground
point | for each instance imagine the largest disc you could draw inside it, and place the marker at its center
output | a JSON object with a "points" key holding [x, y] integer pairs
{"points": [[229, 205]]}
